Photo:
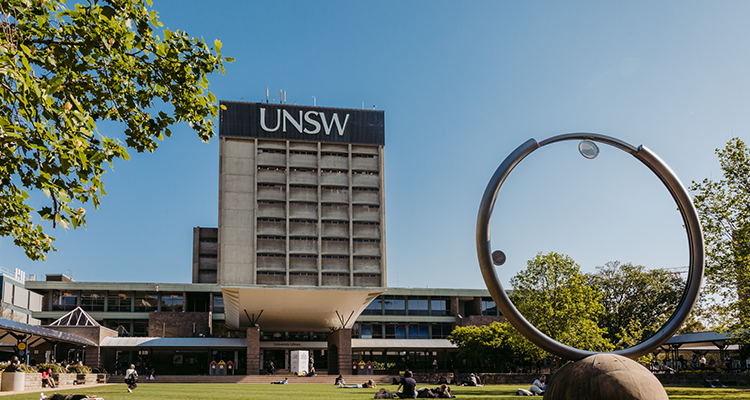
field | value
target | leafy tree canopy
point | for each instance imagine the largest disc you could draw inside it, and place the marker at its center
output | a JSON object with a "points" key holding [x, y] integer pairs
{"points": [[724, 209], [637, 302], [553, 295], [479, 342], [64, 70]]}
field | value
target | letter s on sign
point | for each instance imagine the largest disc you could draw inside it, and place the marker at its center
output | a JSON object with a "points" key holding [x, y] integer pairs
{"points": [[309, 119]]}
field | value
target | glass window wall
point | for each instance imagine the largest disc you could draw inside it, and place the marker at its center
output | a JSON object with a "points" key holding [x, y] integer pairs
{"points": [[92, 301], [395, 306], [171, 302], [218, 304], [64, 300], [119, 302], [146, 302], [418, 307]]}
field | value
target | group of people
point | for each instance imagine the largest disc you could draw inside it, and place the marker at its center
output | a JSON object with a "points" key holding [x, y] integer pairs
{"points": [[407, 389], [537, 388]]}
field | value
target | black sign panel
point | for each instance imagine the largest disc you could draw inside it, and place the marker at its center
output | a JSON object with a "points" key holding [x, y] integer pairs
{"points": [[319, 124]]}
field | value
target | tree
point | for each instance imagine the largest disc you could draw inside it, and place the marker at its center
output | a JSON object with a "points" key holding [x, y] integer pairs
{"points": [[724, 209], [637, 302], [479, 343], [552, 294], [62, 71]]}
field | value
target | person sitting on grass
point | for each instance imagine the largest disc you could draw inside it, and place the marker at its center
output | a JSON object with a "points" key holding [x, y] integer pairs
{"points": [[284, 382], [538, 386], [409, 385], [712, 382]]}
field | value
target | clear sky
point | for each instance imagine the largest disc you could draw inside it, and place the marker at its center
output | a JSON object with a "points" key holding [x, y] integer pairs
{"points": [[462, 84]]}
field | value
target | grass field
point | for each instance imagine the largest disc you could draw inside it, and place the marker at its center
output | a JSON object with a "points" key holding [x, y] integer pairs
{"points": [[154, 391]]}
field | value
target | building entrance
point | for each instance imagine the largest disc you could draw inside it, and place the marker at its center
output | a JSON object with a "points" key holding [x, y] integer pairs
{"points": [[278, 357]]}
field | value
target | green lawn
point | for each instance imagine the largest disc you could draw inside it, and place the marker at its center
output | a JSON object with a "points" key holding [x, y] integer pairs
{"points": [[153, 391]]}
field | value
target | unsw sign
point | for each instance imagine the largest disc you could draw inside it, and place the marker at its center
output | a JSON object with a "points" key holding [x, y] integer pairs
{"points": [[275, 121]]}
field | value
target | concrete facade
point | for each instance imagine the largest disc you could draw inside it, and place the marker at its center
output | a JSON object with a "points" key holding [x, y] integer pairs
{"points": [[179, 324], [253, 351], [299, 214], [340, 352]]}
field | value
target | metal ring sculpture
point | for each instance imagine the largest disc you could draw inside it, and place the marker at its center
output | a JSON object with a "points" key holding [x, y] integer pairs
{"points": [[679, 194]]}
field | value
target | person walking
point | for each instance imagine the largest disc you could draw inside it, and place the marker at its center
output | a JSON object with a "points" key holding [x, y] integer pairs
{"points": [[131, 377]]}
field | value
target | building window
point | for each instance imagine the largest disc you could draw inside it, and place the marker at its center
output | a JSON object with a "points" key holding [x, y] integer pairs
{"points": [[64, 300], [92, 301], [146, 302], [395, 331], [420, 331], [377, 331], [371, 331], [218, 304], [418, 307], [489, 308], [374, 308], [441, 331], [171, 302], [119, 302], [439, 307], [122, 326], [140, 328], [395, 306]]}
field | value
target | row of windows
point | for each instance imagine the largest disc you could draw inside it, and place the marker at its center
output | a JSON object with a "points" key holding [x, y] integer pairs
{"points": [[313, 153], [337, 189], [401, 331], [277, 273], [325, 239], [313, 204], [398, 305], [313, 221], [311, 187], [294, 336], [338, 257], [125, 301], [325, 170]]}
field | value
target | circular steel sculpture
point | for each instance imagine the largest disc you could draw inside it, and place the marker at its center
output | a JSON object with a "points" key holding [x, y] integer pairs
{"points": [[679, 194]]}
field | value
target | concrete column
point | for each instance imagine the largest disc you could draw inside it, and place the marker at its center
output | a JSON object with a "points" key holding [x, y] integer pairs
{"points": [[476, 306], [92, 357], [253, 351], [341, 362]]}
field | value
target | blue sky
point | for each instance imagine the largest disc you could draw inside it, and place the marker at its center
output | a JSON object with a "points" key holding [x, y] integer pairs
{"points": [[462, 84]]}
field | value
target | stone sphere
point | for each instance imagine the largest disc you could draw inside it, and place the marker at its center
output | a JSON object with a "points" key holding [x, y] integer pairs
{"points": [[604, 377]]}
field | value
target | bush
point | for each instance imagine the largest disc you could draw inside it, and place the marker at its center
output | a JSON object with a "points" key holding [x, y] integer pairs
{"points": [[56, 369], [21, 367], [79, 369]]}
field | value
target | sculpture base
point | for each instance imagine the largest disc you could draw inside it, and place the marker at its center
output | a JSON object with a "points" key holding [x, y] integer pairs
{"points": [[604, 377]]}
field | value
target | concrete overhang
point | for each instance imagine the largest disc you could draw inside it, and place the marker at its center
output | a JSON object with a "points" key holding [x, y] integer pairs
{"points": [[285, 309]]}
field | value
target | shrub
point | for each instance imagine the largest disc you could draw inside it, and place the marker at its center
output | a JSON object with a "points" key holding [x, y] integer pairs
{"points": [[79, 369], [21, 367], [56, 369]]}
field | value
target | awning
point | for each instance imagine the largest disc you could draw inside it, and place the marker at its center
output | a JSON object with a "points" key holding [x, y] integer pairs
{"points": [[705, 338], [412, 344], [10, 330], [284, 309], [197, 342]]}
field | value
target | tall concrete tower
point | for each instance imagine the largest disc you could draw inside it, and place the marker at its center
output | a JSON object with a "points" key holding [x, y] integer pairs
{"points": [[301, 199]]}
